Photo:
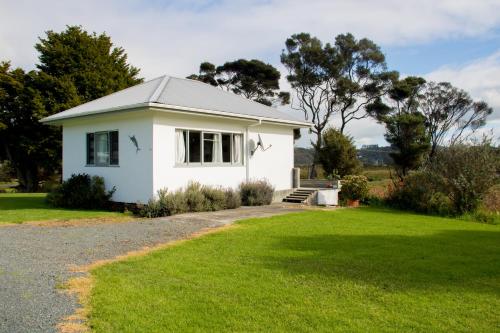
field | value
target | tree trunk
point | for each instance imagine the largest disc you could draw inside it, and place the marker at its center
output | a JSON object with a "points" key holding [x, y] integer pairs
{"points": [[317, 146], [28, 178], [27, 172], [342, 127]]}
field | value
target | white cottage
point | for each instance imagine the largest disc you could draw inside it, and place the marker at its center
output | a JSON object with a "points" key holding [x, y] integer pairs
{"points": [[168, 131]]}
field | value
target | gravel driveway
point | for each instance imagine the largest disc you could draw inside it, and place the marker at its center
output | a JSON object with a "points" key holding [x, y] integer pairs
{"points": [[35, 260]]}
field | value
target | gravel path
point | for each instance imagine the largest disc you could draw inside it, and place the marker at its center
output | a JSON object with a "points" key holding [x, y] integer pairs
{"points": [[35, 260]]}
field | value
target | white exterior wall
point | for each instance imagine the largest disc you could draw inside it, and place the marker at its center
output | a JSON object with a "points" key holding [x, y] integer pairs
{"points": [[141, 174], [275, 164], [133, 177]]}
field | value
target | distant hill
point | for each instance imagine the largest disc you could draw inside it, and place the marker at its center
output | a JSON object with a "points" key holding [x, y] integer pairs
{"points": [[369, 155], [303, 156], [375, 155]]}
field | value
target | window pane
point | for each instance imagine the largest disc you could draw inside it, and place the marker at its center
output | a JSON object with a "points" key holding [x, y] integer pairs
{"points": [[102, 148], [194, 146], [211, 148], [226, 148], [237, 148], [90, 148], [208, 147], [113, 138], [180, 146]]}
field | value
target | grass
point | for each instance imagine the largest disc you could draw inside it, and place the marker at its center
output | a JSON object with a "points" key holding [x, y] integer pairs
{"points": [[23, 207], [354, 270], [377, 173]]}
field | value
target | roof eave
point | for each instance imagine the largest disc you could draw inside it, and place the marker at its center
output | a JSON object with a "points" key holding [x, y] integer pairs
{"points": [[54, 120], [230, 114]]}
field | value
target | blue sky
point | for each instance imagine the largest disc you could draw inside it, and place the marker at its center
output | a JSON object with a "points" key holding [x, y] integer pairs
{"points": [[452, 40]]}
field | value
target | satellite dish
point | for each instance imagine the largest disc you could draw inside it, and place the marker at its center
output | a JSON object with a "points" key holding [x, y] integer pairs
{"points": [[260, 144]]}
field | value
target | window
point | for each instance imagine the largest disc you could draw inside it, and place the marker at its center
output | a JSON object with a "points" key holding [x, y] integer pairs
{"points": [[102, 148], [226, 148], [208, 147], [211, 148], [194, 147]]}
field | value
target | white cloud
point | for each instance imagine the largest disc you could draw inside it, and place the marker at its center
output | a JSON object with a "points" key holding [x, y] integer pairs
{"points": [[174, 37], [481, 78]]}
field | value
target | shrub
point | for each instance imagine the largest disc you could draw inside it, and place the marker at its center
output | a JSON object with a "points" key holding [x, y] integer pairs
{"points": [[176, 203], [6, 171], [151, 209], [354, 187], [338, 154], [232, 198], [256, 193], [468, 171], [491, 200], [194, 197], [440, 204], [81, 191], [215, 198]]}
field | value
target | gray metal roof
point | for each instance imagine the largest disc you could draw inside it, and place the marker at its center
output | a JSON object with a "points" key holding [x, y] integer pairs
{"points": [[176, 93]]}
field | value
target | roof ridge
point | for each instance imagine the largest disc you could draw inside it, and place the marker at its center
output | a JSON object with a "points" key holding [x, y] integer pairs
{"points": [[154, 96], [230, 93]]}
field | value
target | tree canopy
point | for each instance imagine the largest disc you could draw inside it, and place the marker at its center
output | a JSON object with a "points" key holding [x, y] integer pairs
{"points": [[88, 60], [338, 154], [252, 79], [334, 79], [75, 67], [450, 113], [405, 125]]}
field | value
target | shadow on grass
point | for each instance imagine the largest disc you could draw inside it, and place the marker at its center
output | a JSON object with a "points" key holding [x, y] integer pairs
{"points": [[23, 202], [449, 259]]}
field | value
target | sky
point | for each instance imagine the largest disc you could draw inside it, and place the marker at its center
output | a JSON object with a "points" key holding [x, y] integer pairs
{"points": [[442, 40]]}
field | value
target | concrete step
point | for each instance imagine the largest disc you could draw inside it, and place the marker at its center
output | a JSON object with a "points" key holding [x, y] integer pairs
{"points": [[293, 200], [298, 196]]}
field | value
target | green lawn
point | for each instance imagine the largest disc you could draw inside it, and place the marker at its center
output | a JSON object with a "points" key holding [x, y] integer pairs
{"points": [[355, 270], [22, 207]]}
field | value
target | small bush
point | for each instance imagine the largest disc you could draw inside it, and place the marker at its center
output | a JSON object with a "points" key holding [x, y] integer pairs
{"points": [[81, 191], [215, 198], [423, 192], [256, 193], [491, 200], [195, 198], [6, 172], [151, 209], [354, 187], [176, 203], [440, 204], [232, 198], [482, 216]]}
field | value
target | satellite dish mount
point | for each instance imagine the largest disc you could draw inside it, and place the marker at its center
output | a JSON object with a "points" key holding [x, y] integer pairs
{"points": [[260, 144]]}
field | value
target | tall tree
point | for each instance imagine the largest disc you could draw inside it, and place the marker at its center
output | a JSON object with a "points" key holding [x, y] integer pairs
{"points": [[90, 61], [25, 98], [405, 125], [252, 79], [304, 59], [357, 75], [75, 67], [339, 79], [450, 113]]}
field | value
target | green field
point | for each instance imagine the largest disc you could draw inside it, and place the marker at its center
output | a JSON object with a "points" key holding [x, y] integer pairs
{"points": [[349, 270], [23, 207]]}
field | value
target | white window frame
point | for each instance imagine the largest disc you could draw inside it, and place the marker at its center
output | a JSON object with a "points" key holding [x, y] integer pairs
{"points": [[108, 164], [208, 164]]}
